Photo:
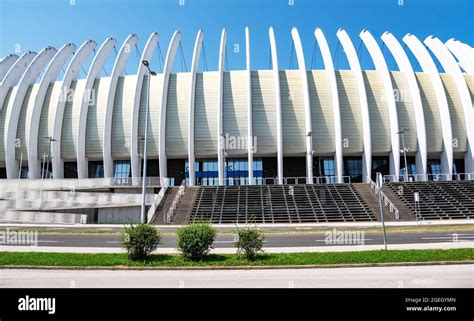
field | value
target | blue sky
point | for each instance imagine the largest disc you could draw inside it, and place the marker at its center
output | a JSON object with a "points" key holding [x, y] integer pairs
{"points": [[34, 24]]}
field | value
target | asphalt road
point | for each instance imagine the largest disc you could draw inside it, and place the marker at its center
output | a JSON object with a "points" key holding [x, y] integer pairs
{"points": [[431, 276], [271, 240]]}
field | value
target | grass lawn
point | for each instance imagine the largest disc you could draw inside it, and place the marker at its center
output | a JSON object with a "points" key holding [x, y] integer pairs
{"points": [[328, 258]]}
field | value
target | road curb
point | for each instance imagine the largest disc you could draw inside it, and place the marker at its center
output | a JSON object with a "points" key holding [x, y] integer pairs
{"points": [[237, 267]]}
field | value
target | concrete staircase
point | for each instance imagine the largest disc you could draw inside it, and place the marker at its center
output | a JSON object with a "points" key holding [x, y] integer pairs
{"points": [[183, 210], [404, 212], [160, 215], [372, 200], [185, 205]]}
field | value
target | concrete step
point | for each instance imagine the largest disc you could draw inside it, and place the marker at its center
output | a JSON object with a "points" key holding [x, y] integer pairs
{"points": [[185, 205], [372, 200], [404, 212], [368, 194], [160, 216]]}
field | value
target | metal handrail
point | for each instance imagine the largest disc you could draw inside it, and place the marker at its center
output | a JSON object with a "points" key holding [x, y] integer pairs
{"points": [[174, 205], [211, 181], [157, 202], [385, 199], [430, 177]]}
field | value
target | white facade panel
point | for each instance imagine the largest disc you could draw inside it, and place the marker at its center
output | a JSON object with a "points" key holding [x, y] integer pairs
{"points": [[205, 117], [71, 120], [95, 119], [378, 111], [456, 112], [9, 99], [434, 133], [264, 113], [235, 110], [322, 115], [46, 119], [405, 111], [292, 113], [122, 111], [156, 83], [177, 115], [351, 116], [21, 134]]}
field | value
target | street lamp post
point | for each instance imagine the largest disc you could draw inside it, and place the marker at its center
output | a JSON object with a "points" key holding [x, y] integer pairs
{"points": [[150, 73], [402, 133], [224, 155], [51, 140], [141, 138], [45, 167]]}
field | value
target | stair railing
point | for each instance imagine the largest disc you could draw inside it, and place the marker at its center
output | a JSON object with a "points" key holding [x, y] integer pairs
{"points": [[174, 205], [385, 199], [158, 199]]}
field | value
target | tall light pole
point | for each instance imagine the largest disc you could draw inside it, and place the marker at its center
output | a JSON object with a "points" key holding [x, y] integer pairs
{"points": [[45, 168], [51, 140], [150, 73], [141, 138], [402, 133]]}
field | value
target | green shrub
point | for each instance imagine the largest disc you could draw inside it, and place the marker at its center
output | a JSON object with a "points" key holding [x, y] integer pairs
{"points": [[140, 241], [195, 240], [249, 242]]}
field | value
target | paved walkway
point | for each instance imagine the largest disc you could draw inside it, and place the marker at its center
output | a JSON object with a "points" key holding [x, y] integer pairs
{"points": [[268, 227], [230, 250], [430, 276]]}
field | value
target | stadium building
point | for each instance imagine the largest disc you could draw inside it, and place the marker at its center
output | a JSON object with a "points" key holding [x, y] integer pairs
{"points": [[252, 132]]}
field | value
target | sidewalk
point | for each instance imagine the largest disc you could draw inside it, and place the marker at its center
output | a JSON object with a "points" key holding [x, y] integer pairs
{"points": [[232, 227], [337, 248]]}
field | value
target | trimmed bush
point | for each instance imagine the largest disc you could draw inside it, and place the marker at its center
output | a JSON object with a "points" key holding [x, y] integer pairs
{"points": [[195, 240], [249, 242], [140, 241]]}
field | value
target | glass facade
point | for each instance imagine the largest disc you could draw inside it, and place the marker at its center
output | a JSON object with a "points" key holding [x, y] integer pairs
{"points": [[353, 168], [327, 167], [24, 172], [47, 170], [96, 170], [411, 164], [434, 166], [236, 171], [122, 169], [380, 164]]}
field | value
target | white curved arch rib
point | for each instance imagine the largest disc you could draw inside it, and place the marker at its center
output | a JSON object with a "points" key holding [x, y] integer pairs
{"points": [[5, 65], [405, 67], [94, 71], [34, 114], [169, 62], [427, 65], [381, 66], [329, 66], [451, 67], [307, 107], [220, 118], [192, 91], [72, 72], [12, 116], [250, 141], [462, 54], [354, 64], [117, 70], [146, 55], [276, 79], [13, 75]]}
